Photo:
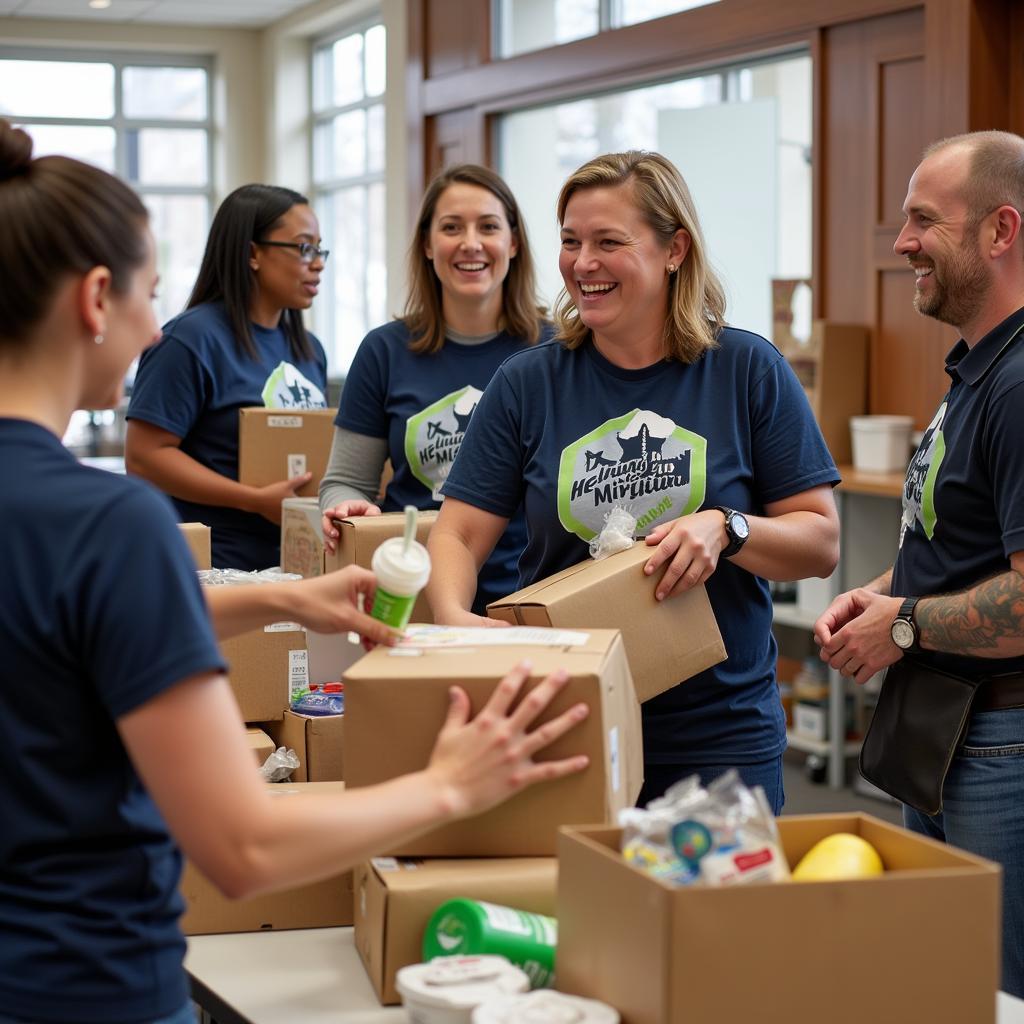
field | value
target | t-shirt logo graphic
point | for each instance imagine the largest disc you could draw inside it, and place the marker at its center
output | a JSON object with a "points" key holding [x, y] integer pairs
{"points": [[433, 436], [919, 487], [288, 388], [642, 462]]}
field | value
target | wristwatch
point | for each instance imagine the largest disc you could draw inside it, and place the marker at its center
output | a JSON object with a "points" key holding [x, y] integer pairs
{"points": [[737, 529], [903, 629]]}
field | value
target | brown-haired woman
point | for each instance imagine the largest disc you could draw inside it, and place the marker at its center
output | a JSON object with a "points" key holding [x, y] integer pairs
{"points": [[415, 382], [120, 728], [650, 403]]}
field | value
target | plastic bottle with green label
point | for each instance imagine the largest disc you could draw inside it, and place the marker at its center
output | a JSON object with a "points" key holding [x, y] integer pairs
{"points": [[402, 568], [463, 927]]}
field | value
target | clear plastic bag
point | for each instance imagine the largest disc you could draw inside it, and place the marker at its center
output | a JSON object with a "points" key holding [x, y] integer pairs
{"points": [[279, 765], [233, 577], [616, 534]]}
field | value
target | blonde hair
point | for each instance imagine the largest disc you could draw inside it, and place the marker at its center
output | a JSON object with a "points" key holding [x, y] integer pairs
{"points": [[696, 302], [521, 313]]}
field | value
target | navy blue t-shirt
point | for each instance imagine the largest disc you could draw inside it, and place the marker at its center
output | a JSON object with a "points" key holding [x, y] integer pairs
{"points": [[963, 500], [572, 435], [422, 404], [101, 612], [193, 383]]}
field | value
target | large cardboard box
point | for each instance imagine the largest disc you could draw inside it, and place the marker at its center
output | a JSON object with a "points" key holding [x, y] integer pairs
{"points": [[360, 536], [325, 904], [666, 641], [262, 666], [918, 943], [317, 740], [302, 540], [197, 536], [394, 900], [396, 701], [276, 444]]}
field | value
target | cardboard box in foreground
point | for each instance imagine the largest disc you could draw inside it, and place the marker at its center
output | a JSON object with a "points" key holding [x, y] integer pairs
{"points": [[918, 943], [197, 536], [394, 900], [666, 641], [396, 703], [317, 740], [276, 444], [360, 536], [325, 904]]}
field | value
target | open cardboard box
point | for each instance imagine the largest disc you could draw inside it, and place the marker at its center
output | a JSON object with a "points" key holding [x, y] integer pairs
{"points": [[396, 700], [324, 904], [276, 444], [316, 740], [394, 900], [919, 943], [666, 641]]}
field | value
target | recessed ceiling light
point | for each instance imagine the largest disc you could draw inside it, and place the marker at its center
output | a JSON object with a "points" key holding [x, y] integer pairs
{"points": [[99, 5]]}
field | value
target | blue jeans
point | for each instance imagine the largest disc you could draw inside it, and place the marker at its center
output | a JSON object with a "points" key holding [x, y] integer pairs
{"points": [[767, 774], [983, 813]]}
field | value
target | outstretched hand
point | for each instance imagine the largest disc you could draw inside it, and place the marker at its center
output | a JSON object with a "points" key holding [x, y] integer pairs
{"points": [[331, 604], [477, 763]]}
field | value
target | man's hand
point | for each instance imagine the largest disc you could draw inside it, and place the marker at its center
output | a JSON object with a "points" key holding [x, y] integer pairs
{"points": [[853, 633], [478, 763], [688, 547]]}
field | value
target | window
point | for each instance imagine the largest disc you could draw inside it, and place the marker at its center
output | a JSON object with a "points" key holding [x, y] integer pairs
{"points": [[146, 119], [524, 25], [349, 84], [740, 136]]}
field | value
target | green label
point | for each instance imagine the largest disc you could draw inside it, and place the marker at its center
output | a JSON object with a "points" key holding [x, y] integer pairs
{"points": [[393, 610]]}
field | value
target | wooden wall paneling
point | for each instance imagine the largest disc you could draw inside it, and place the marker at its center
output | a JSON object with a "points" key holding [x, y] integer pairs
{"points": [[456, 137], [457, 36], [989, 57], [415, 72], [1015, 71]]}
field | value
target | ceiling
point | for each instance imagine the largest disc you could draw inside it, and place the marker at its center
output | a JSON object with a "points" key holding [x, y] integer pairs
{"points": [[238, 13]]}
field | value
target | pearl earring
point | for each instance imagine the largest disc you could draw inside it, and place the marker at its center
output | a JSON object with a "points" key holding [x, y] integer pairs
{"points": [[671, 268], [98, 339]]}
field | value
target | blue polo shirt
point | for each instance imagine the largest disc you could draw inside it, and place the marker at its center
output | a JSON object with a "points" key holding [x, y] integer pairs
{"points": [[571, 435], [101, 613], [963, 499], [193, 383]]}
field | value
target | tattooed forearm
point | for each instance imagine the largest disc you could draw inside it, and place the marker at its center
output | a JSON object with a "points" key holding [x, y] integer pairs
{"points": [[986, 621]]}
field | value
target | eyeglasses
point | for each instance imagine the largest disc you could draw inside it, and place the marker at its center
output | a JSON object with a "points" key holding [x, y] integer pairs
{"points": [[308, 252]]}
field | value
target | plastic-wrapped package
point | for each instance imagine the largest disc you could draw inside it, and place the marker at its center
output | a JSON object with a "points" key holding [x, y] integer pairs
{"points": [[279, 765], [233, 577], [322, 699], [616, 534], [722, 835]]}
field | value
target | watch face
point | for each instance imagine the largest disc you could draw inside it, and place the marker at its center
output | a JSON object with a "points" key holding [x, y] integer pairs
{"points": [[739, 525], [903, 634]]}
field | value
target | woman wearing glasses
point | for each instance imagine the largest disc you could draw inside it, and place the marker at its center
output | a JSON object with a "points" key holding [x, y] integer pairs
{"points": [[415, 382], [240, 342]]}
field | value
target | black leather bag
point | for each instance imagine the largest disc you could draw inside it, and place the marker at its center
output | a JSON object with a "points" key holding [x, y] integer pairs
{"points": [[919, 721]]}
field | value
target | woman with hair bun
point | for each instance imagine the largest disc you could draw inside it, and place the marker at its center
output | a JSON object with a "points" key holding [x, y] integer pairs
{"points": [[650, 402], [240, 342], [120, 729], [415, 382]]}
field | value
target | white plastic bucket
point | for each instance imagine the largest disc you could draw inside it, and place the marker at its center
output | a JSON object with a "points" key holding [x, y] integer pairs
{"points": [[881, 444]]}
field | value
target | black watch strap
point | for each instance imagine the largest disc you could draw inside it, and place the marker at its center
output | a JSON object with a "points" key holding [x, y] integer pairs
{"points": [[736, 539]]}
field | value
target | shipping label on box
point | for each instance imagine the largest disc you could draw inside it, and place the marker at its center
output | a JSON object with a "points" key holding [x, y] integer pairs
{"points": [[396, 701], [316, 740], [360, 536], [260, 668], [325, 904], [197, 536], [302, 540], [917, 943], [666, 641], [273, 446], [394, 900]]}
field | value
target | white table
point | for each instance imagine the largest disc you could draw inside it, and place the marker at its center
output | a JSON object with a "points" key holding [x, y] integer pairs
{"points": [[314, 976]]}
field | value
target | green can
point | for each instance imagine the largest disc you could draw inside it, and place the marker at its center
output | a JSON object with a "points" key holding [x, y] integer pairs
{"points": [[465, 927]]}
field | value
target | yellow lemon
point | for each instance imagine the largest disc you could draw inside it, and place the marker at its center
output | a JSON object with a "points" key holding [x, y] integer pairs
{"points": [[839, 856]]}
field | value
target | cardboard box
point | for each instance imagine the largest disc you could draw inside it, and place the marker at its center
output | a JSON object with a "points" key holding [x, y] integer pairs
{"points": [[317, 740], [197, 536], [666, 641], [261, 745], [395, 706], [302, 540], [394, 900], [276, 444], [918, 943], [325, 904], [262, 665], [360, 536]]}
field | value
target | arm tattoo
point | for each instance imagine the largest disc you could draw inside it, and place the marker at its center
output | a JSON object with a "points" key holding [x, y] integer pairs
{"points": [[986, 621]]}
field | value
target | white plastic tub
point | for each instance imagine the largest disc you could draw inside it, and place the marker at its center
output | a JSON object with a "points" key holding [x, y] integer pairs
{"points": [[881, 444]]}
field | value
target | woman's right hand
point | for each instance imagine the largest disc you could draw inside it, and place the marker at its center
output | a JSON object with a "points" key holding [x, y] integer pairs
{"points": [[346, 510], [266, 501], [478, 763]]}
